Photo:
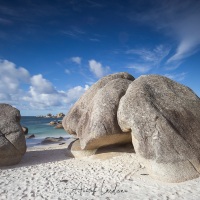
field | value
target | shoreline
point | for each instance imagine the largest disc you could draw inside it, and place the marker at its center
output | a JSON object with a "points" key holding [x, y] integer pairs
{"points": [[46, 172], [37, 141]]}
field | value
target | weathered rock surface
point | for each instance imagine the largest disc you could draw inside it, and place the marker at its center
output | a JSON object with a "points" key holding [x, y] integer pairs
{"points": [[164, 119], [98, 125], [71, 120], [12, 139]]}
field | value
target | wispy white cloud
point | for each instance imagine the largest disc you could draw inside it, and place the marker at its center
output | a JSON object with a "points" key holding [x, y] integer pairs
{"points": [[177, 19], [94, 40], [176, 77], [188, 30], [67, 71], [186, 48], [74, 32], [5, 21], [147, 59], [154, 55], [172, 66], [76, 60], [143, 53], [97, 69], [139, 68], [94, 4]]}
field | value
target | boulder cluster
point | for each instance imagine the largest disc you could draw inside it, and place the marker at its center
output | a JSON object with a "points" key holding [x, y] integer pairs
{"points": [[12, 138], [159, 116]]}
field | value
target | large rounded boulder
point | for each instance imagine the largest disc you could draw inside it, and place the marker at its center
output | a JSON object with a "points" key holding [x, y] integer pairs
{"points": [[164, 119], [93, 118], [98, 125], [12, 139]]}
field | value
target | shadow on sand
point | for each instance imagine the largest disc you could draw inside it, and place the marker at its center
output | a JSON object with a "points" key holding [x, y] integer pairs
{"points": [[40, 157]]}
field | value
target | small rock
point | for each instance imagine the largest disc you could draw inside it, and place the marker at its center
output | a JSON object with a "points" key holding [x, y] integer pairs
{"points": [[25, 130], [59, 126], [53, 123], [48, 140], [30, 136]]}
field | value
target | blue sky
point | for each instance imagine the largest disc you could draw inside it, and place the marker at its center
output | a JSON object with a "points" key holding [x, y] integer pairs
{"points": [[53, 51]]}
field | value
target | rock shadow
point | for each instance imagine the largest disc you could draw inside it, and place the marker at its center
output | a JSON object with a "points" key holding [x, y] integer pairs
{"points": [[40, 157]]}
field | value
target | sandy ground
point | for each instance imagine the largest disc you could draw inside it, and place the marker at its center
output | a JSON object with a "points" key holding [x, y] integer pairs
{"points": [[45, 172]]}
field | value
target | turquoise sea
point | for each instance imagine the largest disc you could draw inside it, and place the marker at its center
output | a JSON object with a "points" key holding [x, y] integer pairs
{"points": [[40, 127]]}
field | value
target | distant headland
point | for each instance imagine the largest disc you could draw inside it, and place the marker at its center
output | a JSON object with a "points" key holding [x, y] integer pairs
{"points": [[49, 115]]}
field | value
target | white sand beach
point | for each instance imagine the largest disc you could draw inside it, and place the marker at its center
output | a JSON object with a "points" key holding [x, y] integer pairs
{"points": [[45, 172]]}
